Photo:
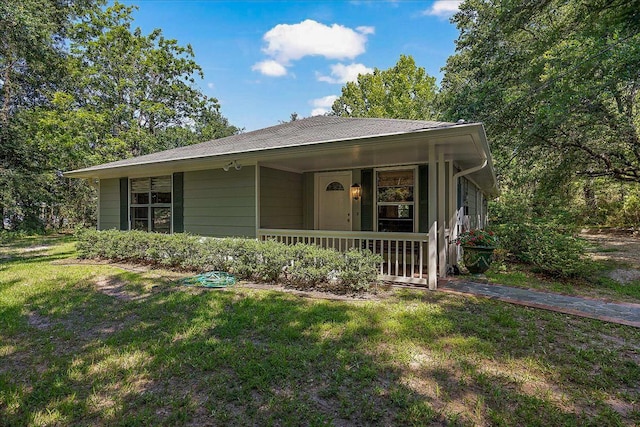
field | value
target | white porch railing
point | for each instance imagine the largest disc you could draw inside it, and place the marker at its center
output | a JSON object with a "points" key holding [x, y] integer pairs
{"points": [[404, 254]]}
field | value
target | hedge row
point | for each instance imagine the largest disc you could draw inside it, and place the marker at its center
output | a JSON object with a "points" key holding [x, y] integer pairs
{"points": [[302, 266]]}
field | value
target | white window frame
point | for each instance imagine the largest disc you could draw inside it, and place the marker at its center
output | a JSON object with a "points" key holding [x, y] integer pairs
{"points": [[416, 194], [150, 205]]}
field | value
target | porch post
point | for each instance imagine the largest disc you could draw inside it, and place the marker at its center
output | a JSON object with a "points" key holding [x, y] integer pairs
{"points": [[442, 254], [432, 266]]}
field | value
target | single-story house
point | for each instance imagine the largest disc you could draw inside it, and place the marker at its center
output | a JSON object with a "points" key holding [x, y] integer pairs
{"points": [[401, 188]]}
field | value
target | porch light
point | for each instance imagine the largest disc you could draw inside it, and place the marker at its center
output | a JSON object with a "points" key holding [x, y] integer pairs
{"points": [[356, 191]]}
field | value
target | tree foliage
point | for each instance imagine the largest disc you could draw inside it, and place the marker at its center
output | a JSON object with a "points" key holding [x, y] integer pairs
{"points": [[556, 83], [79, 87], [404, 91]]}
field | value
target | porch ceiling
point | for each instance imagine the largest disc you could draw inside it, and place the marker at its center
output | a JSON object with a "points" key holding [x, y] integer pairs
{"points": [[467, 148], [463, 144]]}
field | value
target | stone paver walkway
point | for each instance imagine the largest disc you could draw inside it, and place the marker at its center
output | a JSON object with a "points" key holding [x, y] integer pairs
{"points": [[623, 313]]}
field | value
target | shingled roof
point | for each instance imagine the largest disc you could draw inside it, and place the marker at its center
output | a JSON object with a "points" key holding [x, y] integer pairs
{"points": [[313, 130]]}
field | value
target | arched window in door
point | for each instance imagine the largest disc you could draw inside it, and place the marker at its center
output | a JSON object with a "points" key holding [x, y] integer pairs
{"points": [[334, 186]]}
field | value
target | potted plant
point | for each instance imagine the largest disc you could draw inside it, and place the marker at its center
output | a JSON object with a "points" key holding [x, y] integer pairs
{"points": [[477, 249]]}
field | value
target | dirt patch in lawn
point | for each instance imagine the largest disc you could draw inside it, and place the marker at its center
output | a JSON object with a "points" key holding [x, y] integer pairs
{"points": [[621, 247], [116, 288], [380, 293]]}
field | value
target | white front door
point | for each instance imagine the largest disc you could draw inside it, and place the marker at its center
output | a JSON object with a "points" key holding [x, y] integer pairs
{"points": [[333, 200]]}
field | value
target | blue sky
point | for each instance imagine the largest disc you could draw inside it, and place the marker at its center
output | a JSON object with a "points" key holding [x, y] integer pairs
{"points": [[265, 60]]}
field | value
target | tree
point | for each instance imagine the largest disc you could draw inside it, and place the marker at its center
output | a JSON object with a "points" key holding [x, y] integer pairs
{"points": [[79, 87], [556, 83], [145, 83], [32, 63], [404, 91]]}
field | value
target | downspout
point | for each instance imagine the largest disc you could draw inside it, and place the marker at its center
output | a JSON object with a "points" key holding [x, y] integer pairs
{"points": [[453, 209]]}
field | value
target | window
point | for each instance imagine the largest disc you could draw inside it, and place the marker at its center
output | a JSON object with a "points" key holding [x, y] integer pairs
{"points": [[335, 186], [151, 204], [395, 201]]}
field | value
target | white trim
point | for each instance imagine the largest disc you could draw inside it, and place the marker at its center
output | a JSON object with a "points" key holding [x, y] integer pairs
{"points": [[432, 251], [128, 203], [98, 204], [172, 203], [150, 205], [257, 184], [442, 255]]}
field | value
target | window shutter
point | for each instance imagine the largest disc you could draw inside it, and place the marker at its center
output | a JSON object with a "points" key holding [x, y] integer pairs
{"points": [[367, 200], [423, 199], [124, 203], [178, 202]]}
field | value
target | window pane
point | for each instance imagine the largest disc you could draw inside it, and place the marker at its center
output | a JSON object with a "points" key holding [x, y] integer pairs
{"points": [[161, 184], [395, 194], [395, 178], [395, 218], [161, 220], [160, 197], [139, 219], [140, 198], [395, 186], [140, 185]]}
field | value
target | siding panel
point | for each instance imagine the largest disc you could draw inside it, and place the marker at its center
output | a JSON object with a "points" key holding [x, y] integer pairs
{"points": [[280, 199], [109, 204], [219, 203]]}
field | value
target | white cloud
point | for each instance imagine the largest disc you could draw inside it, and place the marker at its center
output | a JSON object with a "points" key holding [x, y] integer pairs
{"points": [[290, 42], [341, 73], [211, 85], [443, 8], [325, 101], [287, 43], [271, 68], [366, 30], [319, 111], [322, 105]]}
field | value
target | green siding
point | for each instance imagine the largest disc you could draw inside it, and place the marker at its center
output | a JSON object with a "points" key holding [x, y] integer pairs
{"points": [[219, 203], [109, 204], [308, 200], [367, 199], [280, 199]]}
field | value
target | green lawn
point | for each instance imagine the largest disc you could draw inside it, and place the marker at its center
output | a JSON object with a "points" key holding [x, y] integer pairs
{"points": [[596, 286], [99, 345]]}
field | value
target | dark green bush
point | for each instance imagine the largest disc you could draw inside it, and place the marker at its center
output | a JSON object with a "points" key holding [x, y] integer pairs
{"points": [[549, 251], [267, 261]]}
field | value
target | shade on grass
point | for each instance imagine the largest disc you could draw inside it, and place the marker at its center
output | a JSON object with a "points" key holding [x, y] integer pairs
{"points": [[155, 353]]}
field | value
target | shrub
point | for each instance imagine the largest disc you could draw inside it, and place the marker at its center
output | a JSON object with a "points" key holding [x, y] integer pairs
{"points": [[267, 261], [312, 266], [360, 269], [547, 250]]}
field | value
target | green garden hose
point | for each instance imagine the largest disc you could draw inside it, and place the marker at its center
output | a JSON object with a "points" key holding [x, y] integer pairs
{"points": [[212, 279]]}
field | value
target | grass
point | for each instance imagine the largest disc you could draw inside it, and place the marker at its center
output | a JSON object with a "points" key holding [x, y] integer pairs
{"points": [[599, 286], [98, 345]]}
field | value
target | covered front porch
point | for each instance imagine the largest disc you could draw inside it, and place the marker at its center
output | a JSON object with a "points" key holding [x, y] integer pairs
{"points": [[344, 198]]}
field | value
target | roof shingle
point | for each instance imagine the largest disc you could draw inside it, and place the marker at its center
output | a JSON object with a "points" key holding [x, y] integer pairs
{"points": [[312, 130]]}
